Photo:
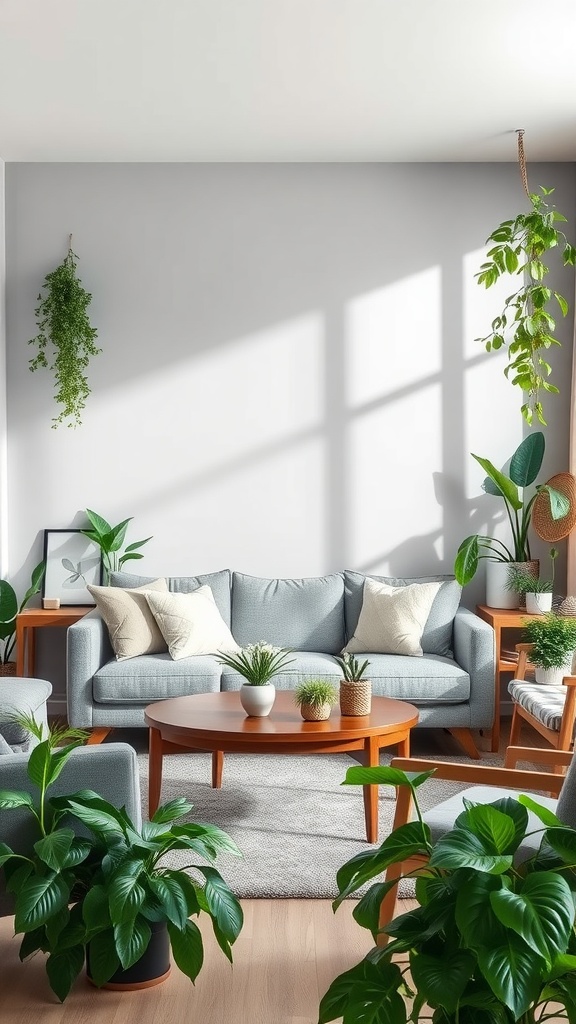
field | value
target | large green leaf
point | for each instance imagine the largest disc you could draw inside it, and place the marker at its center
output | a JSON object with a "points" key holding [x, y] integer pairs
{"points": [[95, 909], [171, 896], [461, 849], [63, 968], [526, 462], [403, 842], [442, 979], [32, 942], [382, 775], [36, 582], [53, 848], [466, 564], [38, 899], [9, 799], [506, 487], [214, 836], [367, 993], [474, 914], [559, 503], [8, 602], [104, 960], [99, 524], [117, 535], [563, 841], [131, 939], [45, 764], [514, 973], [498, 831], [366, 913], [172, 810], [98, 816], [125, 896], [187, 948], [542, 912], [222, 904]]}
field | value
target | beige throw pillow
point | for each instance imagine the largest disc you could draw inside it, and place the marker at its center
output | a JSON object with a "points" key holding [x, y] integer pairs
{"points": [[191, 623], [392, 619], [131, 625]]}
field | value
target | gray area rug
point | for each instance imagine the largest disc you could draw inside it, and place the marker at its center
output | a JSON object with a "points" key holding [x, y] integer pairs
{"points": [[291, 817]]}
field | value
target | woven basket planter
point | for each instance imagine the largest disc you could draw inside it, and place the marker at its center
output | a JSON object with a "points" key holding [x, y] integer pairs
{"points": [[8, 669], [355, 698], [315, 712]]}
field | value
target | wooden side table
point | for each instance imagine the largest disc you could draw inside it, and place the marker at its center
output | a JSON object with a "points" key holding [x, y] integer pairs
{"points": [[501, 619], [31, 619]]}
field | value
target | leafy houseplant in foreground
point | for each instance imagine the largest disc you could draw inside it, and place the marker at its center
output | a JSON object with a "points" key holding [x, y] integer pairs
{"points": [[9, 609], [527, 323], [108, 891], [524, 467], [492, 940], [64, 325], [110, 540]]}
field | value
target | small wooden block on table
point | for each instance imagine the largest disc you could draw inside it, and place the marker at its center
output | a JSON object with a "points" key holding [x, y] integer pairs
{"points": [[217, 722]]}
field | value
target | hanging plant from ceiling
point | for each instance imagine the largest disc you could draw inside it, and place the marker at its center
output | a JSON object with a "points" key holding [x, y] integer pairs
{"points": [[527, 323], [66, 338]]}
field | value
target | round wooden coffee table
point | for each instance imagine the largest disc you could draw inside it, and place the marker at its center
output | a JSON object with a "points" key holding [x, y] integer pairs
{"points": [[218, 723]]}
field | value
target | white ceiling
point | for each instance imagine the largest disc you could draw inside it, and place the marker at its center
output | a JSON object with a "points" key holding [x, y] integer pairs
{"points": [[287, 80]]}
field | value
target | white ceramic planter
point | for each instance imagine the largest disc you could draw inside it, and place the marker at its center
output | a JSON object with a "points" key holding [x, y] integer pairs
{"points": [[553, 676], [497, 578], [257, 701], [538, 604]]}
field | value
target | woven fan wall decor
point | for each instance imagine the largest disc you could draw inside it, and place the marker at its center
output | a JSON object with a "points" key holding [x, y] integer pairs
{"points": [[545, 527]]}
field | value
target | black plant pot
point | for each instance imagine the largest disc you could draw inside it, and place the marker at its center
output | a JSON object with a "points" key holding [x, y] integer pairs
{"points": [[151, 969]]}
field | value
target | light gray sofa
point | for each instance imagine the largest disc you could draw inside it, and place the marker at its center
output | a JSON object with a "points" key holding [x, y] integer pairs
{"points": [[452, 684]]}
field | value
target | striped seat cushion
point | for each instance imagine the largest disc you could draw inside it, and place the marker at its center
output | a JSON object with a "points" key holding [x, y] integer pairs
{"points": [[545, 703]]}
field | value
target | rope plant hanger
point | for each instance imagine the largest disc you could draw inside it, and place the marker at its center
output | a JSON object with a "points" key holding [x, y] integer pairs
{"points": [[527, 324]]}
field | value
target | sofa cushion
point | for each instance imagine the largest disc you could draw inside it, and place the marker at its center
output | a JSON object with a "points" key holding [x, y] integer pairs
{"points": [[302, 614], [392, 619], [131, 626], [421, 681], [305, 664], [437, 634], [154, 677], [219, 583], [191, 624]]}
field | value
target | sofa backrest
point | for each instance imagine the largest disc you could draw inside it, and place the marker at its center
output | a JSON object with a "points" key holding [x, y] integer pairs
{"points": [[437, 635], [219, 583], [302, 614]]}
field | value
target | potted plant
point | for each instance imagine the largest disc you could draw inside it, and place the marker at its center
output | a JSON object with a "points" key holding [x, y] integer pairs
{"points": [[316, 698], [9, 609], [258, 664], [537, 592], [355, 690], [110, 540], [524, 467], [527, 322], [106, 895], [553, 639], [492, 940], [63, 323]]}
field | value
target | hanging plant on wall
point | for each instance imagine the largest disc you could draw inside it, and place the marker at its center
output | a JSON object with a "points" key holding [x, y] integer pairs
{"points": [[527, 323], [66, 339]]}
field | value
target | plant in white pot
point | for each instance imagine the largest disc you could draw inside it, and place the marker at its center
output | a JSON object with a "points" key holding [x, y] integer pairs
{"points": [[538, 592], [316, 698], [258, 664], [553, 639], [524, 467]]}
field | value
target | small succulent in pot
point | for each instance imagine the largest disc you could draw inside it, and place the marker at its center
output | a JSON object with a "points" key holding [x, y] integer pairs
{"points": [[315, 698], [355, 689]]}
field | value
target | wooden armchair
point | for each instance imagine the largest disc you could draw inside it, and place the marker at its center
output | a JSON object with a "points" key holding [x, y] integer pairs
{"points": [[487, 784], [551, 710]]}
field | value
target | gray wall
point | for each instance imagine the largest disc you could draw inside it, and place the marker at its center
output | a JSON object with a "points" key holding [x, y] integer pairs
{"points": [[289, 381]]}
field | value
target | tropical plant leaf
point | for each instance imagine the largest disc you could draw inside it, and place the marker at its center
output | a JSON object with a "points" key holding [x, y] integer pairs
{"points": [[541, 912], [131, 939], [187, 948], [461, 849], [513, 972], [222, 903], [506, 487], [103, 958], [384, 776], [53, 848], [526, 462], [466, 564], [63, 968], [38, 899], [171, 896], [442, 980]]}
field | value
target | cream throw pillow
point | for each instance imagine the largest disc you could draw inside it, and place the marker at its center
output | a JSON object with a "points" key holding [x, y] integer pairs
{"points": [[131, 625], [191, 623], [392, 619]]}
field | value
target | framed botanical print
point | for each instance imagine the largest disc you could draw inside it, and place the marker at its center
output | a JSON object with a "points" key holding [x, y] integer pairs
{"points": [[73, 562]]}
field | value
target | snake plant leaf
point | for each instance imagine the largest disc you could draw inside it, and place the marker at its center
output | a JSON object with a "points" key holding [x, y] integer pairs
{"points": [[526, 462]]}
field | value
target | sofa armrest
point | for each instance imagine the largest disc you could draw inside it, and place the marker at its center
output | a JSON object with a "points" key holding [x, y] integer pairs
{"points": [[475, 652], [87, 649]]}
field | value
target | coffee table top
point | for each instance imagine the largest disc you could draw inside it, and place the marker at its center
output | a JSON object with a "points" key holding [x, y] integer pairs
{"points": [[209, 715]]}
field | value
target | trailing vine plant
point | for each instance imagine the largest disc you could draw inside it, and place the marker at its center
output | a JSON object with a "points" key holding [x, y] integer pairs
{"points": [[527, 323], [63, 324]]}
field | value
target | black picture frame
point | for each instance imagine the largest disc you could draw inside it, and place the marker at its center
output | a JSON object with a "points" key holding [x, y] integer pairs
{"points": [[72, 562]]}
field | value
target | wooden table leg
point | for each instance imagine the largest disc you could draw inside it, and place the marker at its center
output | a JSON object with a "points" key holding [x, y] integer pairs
{"points": [[495, 731], [217, 766], [21, 639], [154, 770], [404, 746], [372, 759]]}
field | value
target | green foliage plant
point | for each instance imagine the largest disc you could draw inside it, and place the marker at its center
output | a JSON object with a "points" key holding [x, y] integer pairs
{"points": [[316, 692], [527, 323], [553, 637], [110, 540], [107, 885], [524, 467], [352, 670], [9, 609], [521, 582], [65, 339], [257, 663], [492, 939]]}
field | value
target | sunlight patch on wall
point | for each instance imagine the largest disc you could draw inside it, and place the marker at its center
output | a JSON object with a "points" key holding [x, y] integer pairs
{"points": [[393, 337], [395, 518]]}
